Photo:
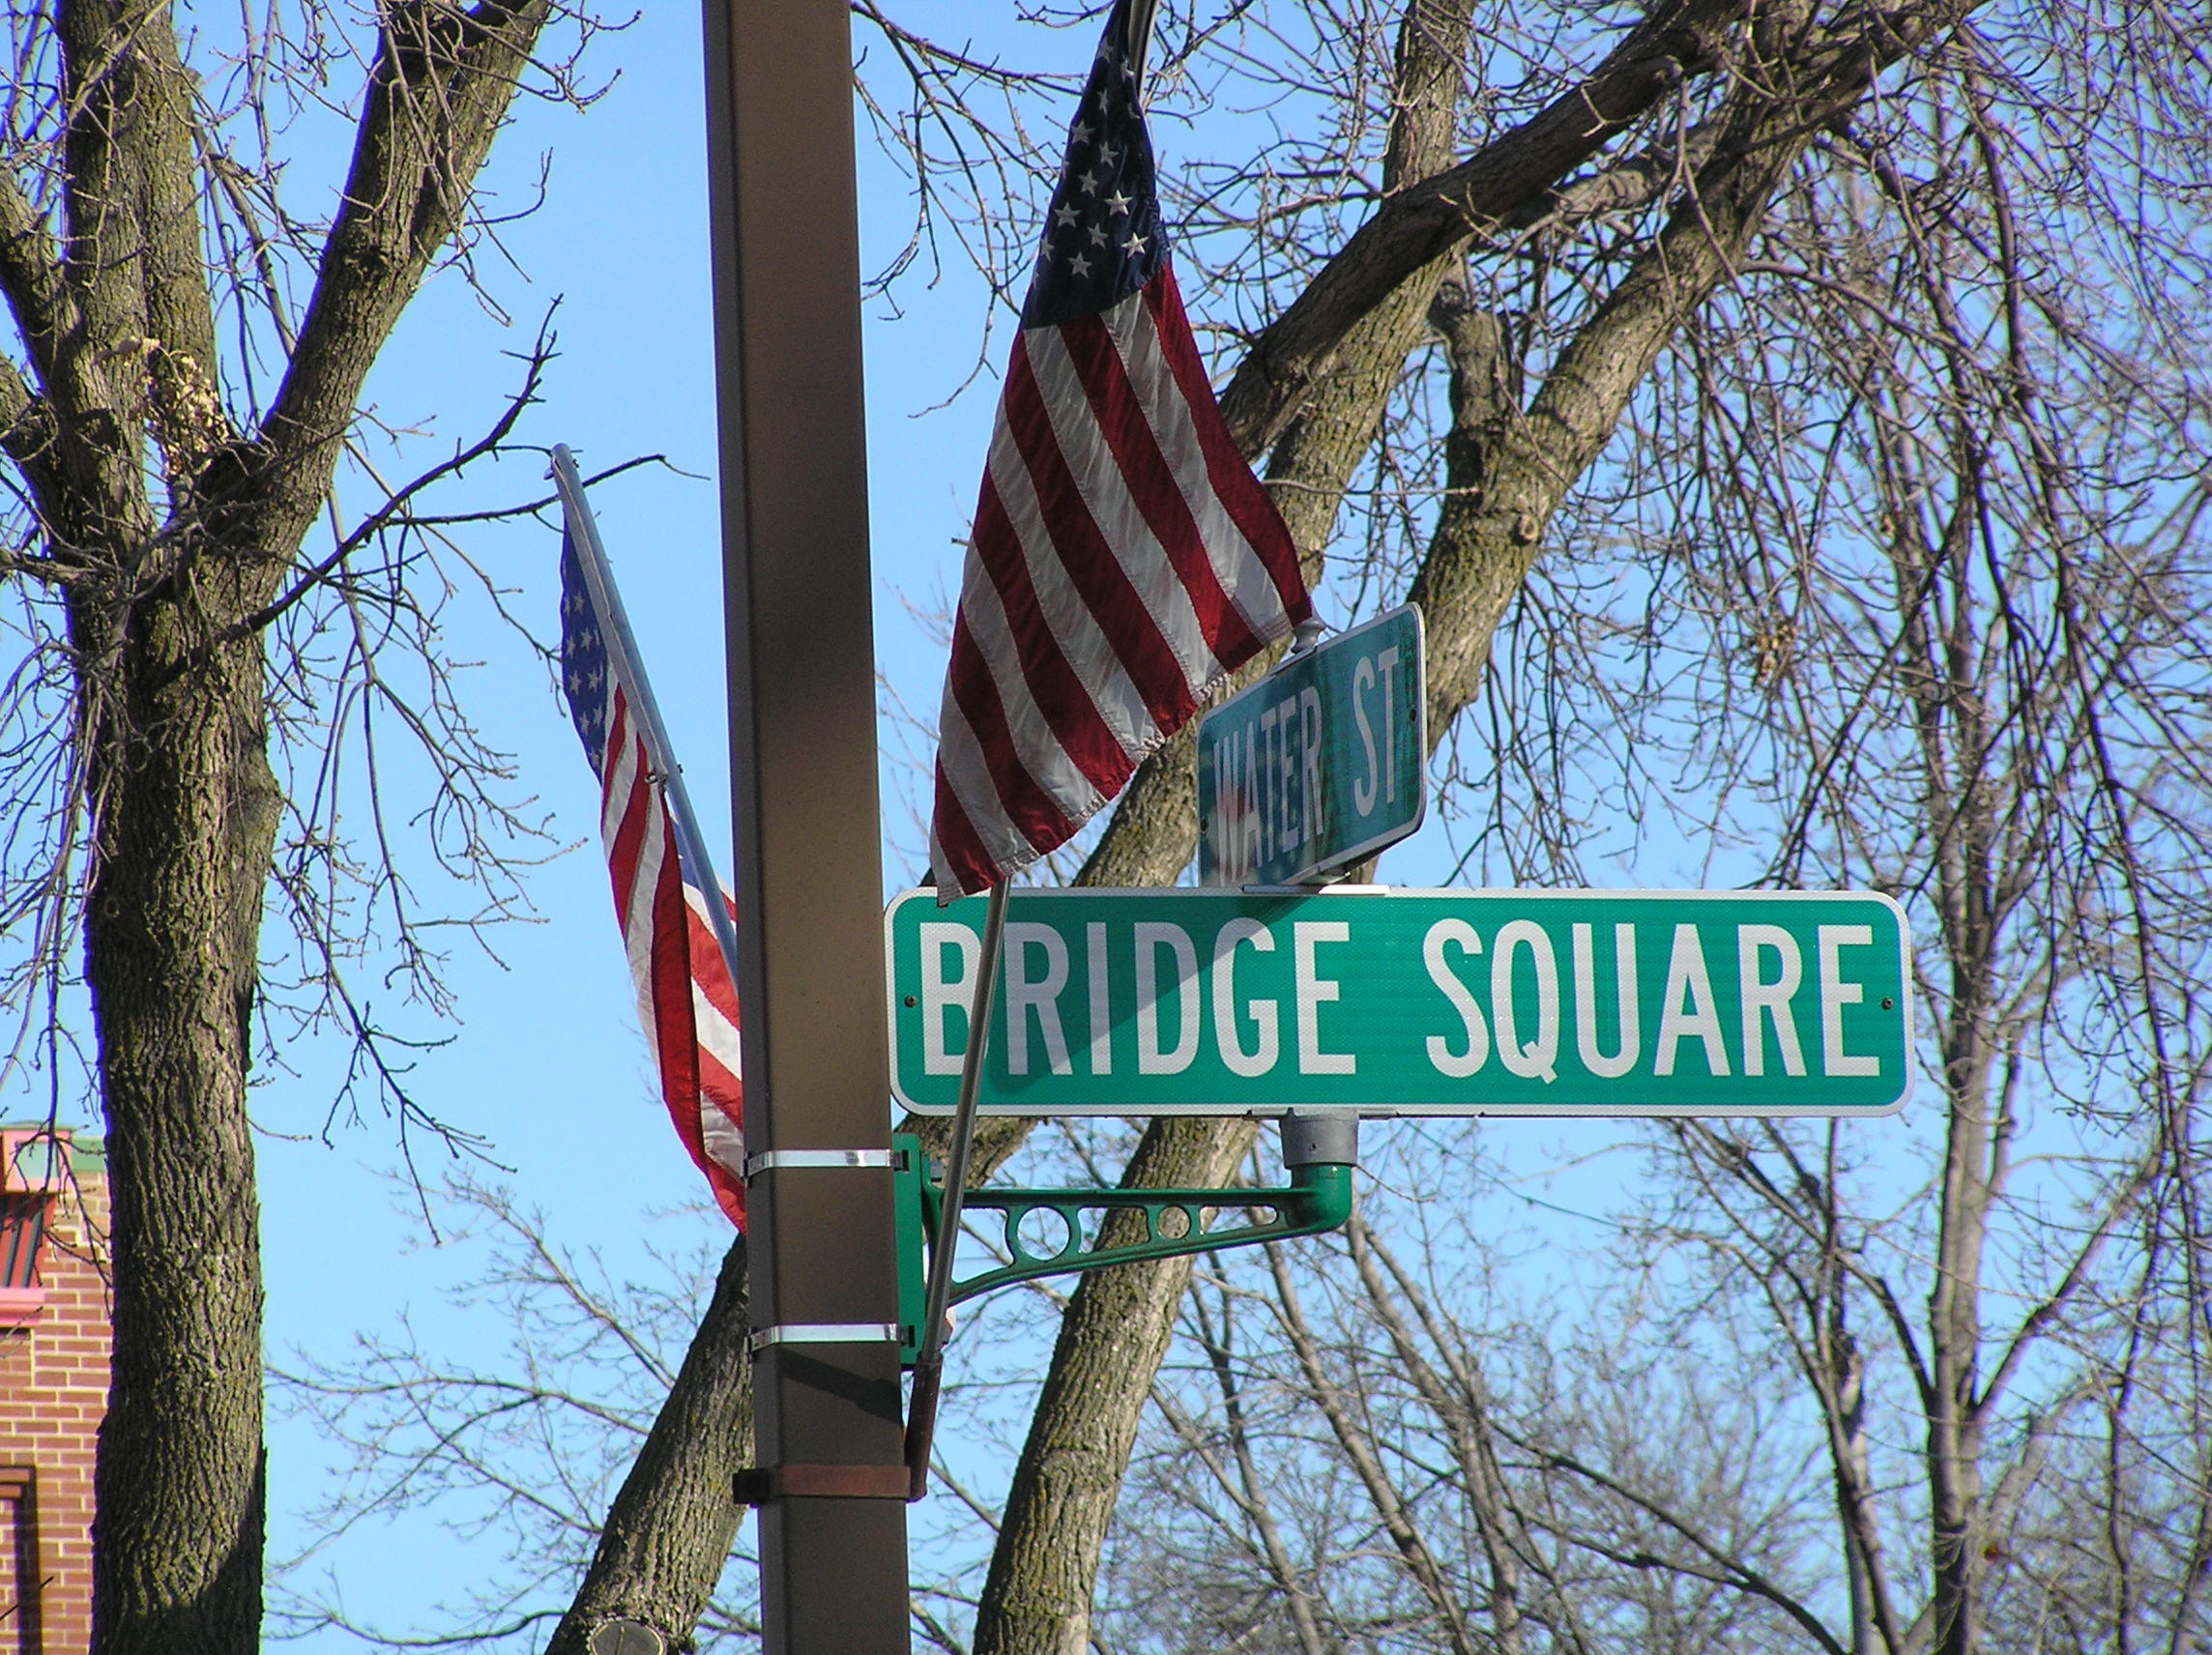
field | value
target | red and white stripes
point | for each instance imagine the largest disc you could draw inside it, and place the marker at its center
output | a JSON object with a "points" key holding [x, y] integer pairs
{"points": [[684, 997], [1124, 560]]}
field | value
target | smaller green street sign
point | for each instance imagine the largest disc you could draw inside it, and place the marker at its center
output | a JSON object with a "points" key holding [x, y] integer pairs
{"points": [[1320, 763], [1200, 1001]]}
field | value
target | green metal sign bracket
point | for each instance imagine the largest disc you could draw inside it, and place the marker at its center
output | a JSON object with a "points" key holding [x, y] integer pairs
{"points": [[1178, 1222]]}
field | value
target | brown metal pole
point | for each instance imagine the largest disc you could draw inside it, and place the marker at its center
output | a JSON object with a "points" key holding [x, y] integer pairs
{"points": [[802, 738]]}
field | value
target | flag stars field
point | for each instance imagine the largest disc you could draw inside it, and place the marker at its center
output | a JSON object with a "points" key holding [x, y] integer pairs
{"points": [[1124, 560]]}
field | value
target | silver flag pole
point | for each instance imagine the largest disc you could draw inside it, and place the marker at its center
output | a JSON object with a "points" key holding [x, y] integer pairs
{"points": [[1140, 38], [929, 1359], [622, 651]]}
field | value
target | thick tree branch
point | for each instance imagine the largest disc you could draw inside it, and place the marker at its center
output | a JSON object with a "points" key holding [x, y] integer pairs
{"points": [[1359, 1447], [395, 508], [1510, 477], [27, 437], [1071, 1465], [438, 91], [1466, 1420], [102, 237], [1426, 220], [2047, 1309], [85, 477], [30, 276], [1119, 1322], [181, 365], [671, 1526], [1036, 1598], [20, 410], [1727, 1570]]}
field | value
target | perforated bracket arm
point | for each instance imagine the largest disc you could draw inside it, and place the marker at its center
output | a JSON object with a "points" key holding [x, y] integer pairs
{"points": [[1319, 1153]]}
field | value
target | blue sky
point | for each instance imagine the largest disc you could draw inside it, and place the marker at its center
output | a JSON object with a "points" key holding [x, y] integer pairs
{"points": [[545, 1059]]}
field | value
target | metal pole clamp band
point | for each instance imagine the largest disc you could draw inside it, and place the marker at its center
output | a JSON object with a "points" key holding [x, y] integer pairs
{"points": [[772, 1160], [824, 1333]]}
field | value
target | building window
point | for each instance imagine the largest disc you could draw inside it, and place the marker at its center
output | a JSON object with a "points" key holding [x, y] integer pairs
{"points": [[22, 1583], [22, 1228], [34, 1170]]}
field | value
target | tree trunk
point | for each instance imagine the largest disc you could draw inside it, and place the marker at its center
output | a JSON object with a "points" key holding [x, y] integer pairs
{"points": [[1973, 1155], [187, 813], [1037, 1599], [1511, 471], [669, 1531], [108, 284], [1313, 388]]}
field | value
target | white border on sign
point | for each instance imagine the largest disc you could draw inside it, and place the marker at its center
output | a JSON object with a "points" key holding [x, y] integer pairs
{"points": [[1378, 842], [1428, 1111]]}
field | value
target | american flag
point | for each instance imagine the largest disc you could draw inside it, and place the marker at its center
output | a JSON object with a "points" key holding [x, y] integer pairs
{"points": [[684, 997], [1124, 559]]}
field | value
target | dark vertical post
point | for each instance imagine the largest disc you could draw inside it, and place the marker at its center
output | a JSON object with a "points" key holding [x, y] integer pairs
{"points": [[802, 738]]}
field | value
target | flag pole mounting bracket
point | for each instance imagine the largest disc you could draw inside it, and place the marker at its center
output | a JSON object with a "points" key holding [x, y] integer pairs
{"points": [[1318, 1153]]}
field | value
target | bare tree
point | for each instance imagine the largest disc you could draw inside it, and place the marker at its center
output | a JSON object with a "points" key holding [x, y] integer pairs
{"points": [[1922, 611], [192, 685], [1513, 473], [1452, 1470], [530, 1446]]}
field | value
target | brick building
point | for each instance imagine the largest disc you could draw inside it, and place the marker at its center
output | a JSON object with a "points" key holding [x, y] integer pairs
{"points": [[53, 1382]]}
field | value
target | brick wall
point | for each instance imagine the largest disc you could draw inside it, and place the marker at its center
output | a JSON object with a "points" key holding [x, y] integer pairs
{"points": [[53, 1389]]}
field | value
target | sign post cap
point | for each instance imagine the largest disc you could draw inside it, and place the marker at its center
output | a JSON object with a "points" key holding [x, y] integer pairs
{"points": [[1321, 1138]]}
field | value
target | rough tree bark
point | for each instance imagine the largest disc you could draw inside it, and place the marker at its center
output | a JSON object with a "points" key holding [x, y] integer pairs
{"points": [[1036, 1597], [1434, 212], [676, 1504], [165, 602]]}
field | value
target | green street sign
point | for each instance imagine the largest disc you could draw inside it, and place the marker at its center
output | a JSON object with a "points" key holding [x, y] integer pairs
{"points": [[1320, 763], [1198, 1002]]}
